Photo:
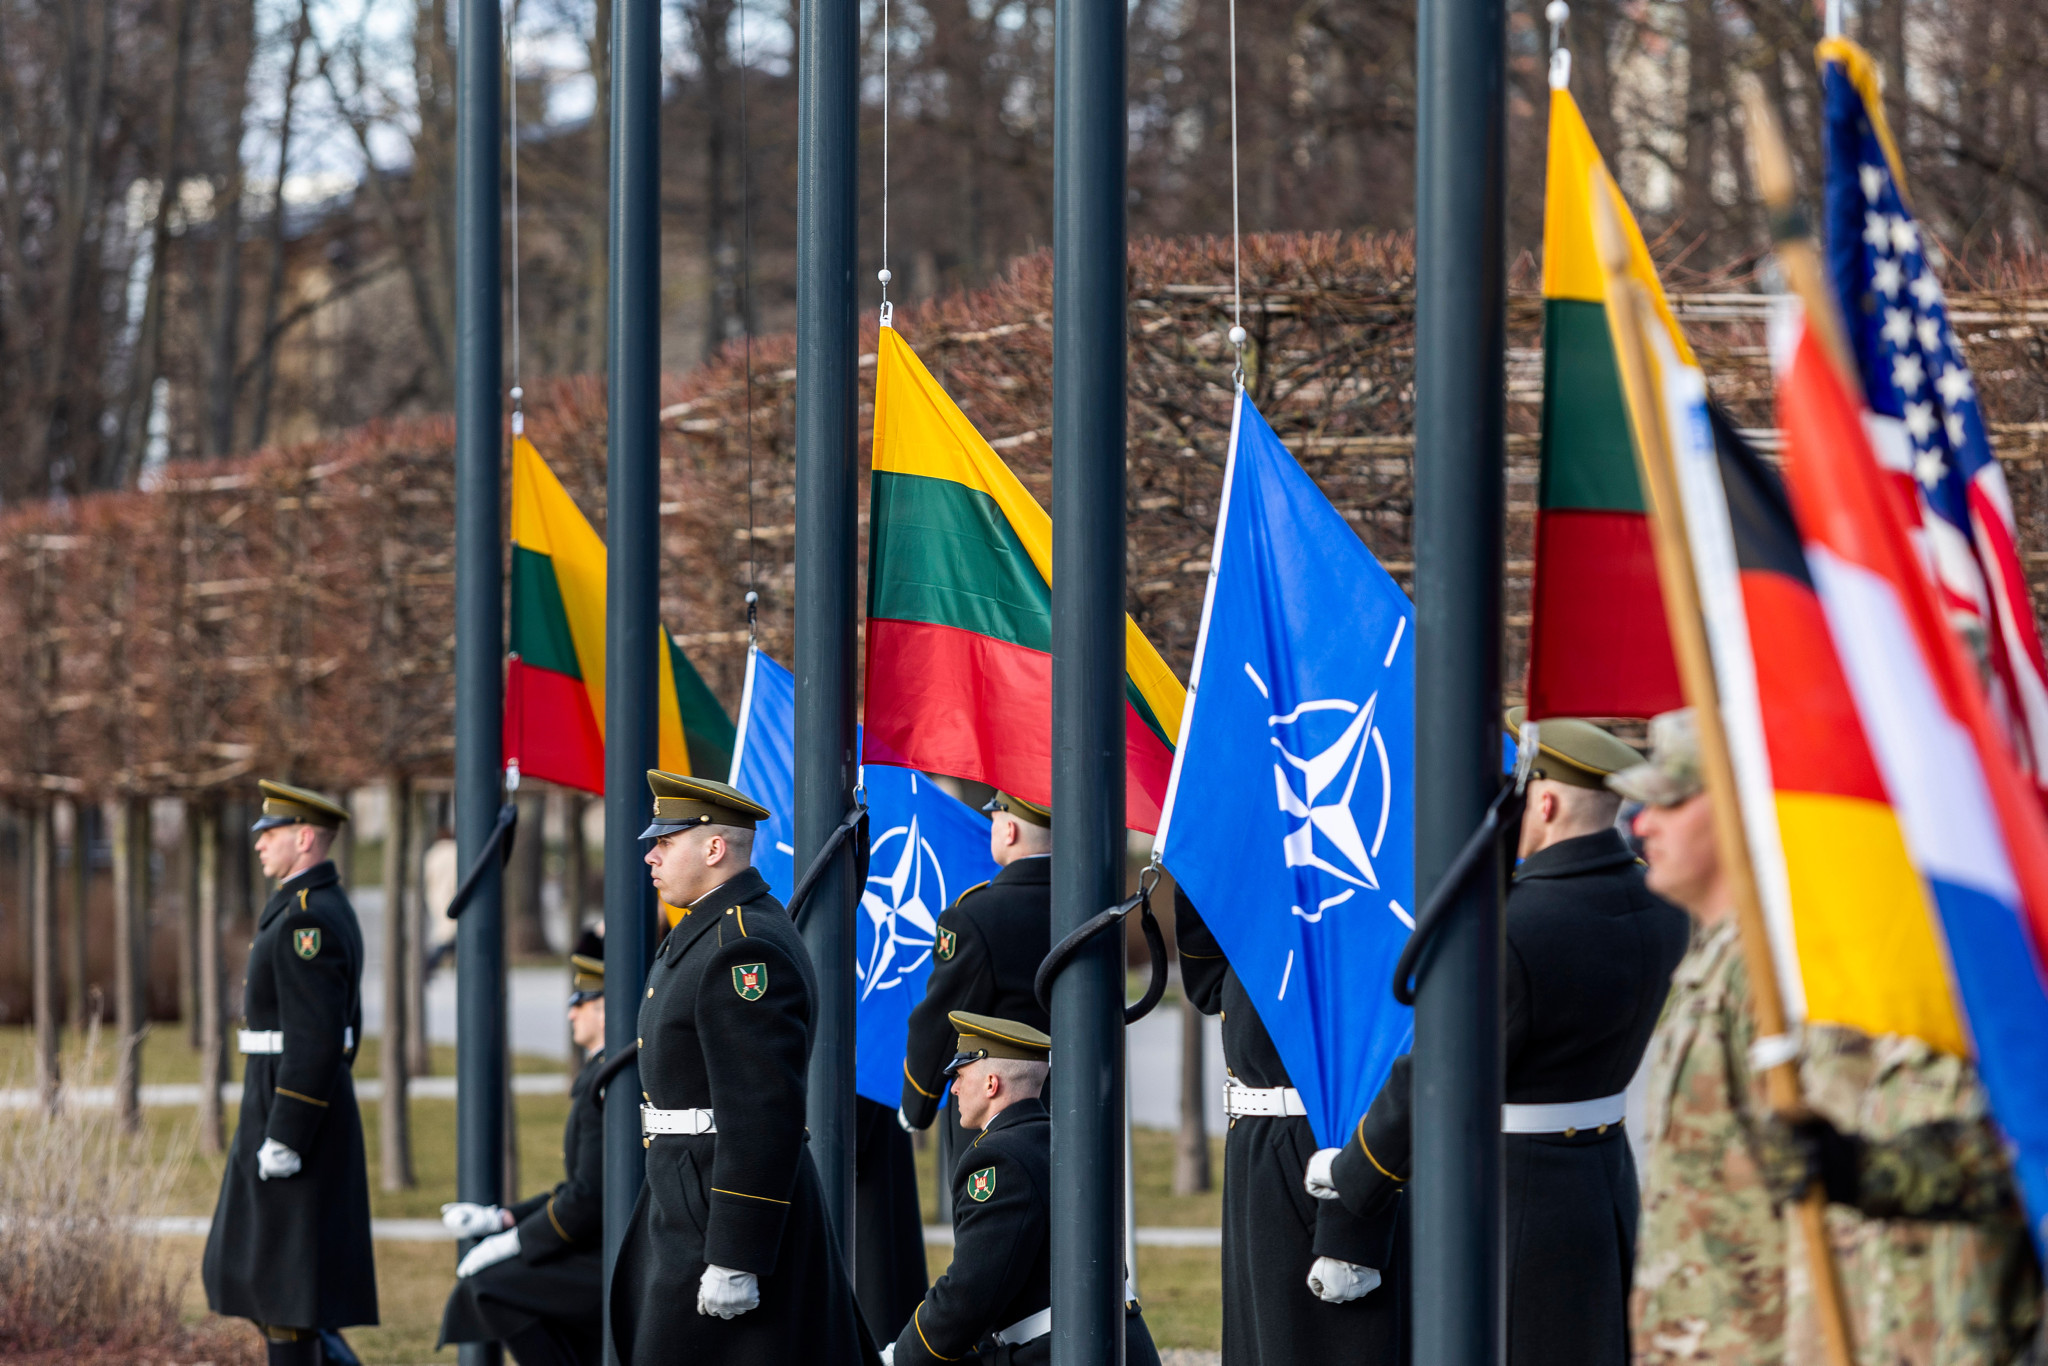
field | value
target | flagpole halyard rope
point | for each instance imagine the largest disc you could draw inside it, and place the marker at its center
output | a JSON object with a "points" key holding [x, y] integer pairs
{"points": [[512, 139], [883, 275], [747, 332], [1237, 332]]}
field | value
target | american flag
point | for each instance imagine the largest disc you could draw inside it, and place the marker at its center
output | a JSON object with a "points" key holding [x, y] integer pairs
{"points": [[1924, 420]]}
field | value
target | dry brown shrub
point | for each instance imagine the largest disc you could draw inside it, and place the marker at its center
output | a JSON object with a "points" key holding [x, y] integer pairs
{"points": [[80, 1280]]}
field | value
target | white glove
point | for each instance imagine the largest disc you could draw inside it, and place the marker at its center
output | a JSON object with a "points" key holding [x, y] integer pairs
{"points": [[497, 1248], [465, 1220], [274, 1159], [903, 1120], [1338, 1282], [727, 1294], [889, 1355], [1320, 1180]]}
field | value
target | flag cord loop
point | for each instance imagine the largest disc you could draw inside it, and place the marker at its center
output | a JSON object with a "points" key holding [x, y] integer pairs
{"points": [[1237, 332], [1557, 12], [1155, 945], [500, 843], [883, 275], [518, 394], [856, 822], [1503, 814]]}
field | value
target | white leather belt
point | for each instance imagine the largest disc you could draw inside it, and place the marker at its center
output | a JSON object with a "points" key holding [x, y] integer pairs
{"points": [[1241, 1101], [272, 1040], [653, 1121], [1567, 1118], [1025, 1330]]}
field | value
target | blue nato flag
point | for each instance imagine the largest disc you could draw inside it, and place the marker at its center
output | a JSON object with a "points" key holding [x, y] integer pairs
{"points": [[1290, 817], [924, 849]]}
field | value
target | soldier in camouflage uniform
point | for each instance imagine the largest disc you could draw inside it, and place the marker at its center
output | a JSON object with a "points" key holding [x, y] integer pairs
{"points": [[1710, 1253], [1938, 1270]]}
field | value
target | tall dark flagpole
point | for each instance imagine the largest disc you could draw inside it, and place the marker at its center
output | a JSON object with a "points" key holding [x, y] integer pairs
{"points": [[1460, 324], [632, 592], [1087, 1088], [479, 618], [828, 52]]}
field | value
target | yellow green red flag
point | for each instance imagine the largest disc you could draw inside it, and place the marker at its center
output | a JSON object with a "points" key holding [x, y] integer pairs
{"points": [[959, 645], [554, 687]]}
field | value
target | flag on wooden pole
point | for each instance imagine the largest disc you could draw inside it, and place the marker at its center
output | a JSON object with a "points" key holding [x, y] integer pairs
{"points": [[1598, 645]]}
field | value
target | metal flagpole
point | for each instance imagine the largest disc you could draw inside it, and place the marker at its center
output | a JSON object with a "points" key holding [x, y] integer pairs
{"points": [[479, 618], [1088, 677], [1460, 323], [632, 592], [827, 487]]}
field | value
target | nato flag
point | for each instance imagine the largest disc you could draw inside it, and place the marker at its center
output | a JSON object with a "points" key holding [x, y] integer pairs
{"points": [[925, 848], [764, 765], [1290, 817]]}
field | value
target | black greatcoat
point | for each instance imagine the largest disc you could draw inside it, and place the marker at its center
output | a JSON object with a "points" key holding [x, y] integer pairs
{"points": [[726, 1025], [889, 1275], [1272, 1229], [989, 945], [1002, 1254], [295, 1251], [558, 1275], [1590, 956]]}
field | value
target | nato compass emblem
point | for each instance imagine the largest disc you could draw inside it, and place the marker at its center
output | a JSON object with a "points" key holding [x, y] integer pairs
{"points": [[1333, 782], [900, 906]]}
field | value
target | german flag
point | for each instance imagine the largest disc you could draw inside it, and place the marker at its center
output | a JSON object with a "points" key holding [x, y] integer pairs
{"points": [[1598, 645], [1852, 931], [959, 662], [554, 687]]}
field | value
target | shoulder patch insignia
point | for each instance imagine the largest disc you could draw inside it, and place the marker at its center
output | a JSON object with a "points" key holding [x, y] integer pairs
{"points": [[981, 1185], [750, 980], [306, 943], [948, 943]]}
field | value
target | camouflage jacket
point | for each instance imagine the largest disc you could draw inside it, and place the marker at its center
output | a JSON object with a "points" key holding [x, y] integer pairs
{"points": [[1960, 1293], [1710, 1254]]}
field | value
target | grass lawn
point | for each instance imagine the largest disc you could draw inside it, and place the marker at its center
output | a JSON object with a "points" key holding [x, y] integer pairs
{"points": [[1180, 1286]]}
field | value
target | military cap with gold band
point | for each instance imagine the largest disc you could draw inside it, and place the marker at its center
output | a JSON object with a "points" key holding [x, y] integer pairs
{"points": [[1577, 753], [988, 1036], [683, 803], [284, 804], [1031, 813]]}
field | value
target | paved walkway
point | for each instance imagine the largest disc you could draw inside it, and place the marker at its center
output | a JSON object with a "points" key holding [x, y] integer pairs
{"points": [[430, 1231], [187, 1093]]}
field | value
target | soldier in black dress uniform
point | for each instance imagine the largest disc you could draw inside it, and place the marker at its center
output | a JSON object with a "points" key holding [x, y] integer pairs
{"points": [[994, 1304], [290, 1243], [1590, 952], [989, 944], [1303, 1280], [728, 1257], [536, 1281]]}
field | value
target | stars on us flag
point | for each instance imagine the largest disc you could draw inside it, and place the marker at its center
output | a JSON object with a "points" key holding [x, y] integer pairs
{"points": [[1918, 375]]}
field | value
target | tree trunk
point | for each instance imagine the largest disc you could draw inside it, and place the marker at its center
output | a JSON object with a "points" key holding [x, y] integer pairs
{"points": [[211, 990], [419, 1051], [395, 1112], [77, 971], [273, 288], [188, 923], [527, 923], [1191, 1151], [131, 876], [575, 862], [42, 930]]}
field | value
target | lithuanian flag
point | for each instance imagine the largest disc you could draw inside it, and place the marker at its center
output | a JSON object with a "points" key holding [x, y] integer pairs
{"points": [[554, 689], [959, 667], [1598, 645]]}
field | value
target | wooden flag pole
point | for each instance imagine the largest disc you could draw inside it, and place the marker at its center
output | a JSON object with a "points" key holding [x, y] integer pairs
{"points": [[1630, 313]]}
